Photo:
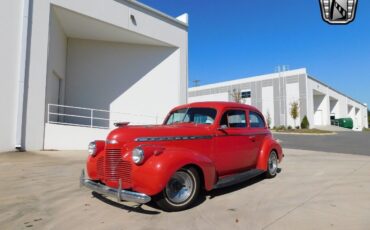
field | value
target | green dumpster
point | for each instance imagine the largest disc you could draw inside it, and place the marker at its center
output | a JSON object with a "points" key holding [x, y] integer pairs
{"points": [[345, 122]]}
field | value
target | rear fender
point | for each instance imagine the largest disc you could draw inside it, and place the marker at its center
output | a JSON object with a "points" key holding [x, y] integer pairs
{"points": [[152, 177], [268, 145]]}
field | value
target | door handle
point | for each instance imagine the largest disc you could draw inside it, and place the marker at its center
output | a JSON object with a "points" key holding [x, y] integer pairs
{"points": [[252, 138]]}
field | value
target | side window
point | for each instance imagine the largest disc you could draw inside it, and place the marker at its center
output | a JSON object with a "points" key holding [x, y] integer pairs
{"points": [[234, 119], [255, 120]]}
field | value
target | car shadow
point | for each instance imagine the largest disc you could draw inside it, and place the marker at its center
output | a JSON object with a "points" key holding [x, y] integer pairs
{"points": [[136, 208], [233, 188], [202, 197]]}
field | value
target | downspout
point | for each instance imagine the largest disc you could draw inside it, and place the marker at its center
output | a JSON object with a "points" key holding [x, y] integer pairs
{"points": [[22, 75]]}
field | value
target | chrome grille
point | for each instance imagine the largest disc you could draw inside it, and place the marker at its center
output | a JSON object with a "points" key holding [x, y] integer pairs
{"points": [[116, 168], [100, 167], [124, 171]]}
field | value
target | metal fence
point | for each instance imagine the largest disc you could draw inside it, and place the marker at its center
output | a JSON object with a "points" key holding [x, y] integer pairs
{"points": [[94, 118]]}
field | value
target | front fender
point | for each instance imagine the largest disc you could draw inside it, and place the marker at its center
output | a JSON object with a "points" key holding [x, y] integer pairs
{"points": [[92, 164], [268, 145], [152, 177]]}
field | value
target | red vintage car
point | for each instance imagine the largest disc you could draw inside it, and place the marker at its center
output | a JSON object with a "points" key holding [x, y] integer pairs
{"points": [[205, 145]]}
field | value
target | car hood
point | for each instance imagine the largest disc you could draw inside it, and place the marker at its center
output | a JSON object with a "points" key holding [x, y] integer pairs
{"points": [[127, 134]]}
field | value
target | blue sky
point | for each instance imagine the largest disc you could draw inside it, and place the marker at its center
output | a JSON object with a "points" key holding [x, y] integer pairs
{"points": [[240, 38]]}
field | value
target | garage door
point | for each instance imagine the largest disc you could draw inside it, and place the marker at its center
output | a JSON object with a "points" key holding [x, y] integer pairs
{"points": [[318, 117]]}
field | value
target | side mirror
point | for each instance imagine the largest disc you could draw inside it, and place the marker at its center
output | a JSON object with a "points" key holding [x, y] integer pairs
{"points": [[222, 127]]}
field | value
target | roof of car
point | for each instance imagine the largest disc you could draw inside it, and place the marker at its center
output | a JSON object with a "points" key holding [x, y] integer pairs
{"points": [[217, 105]]}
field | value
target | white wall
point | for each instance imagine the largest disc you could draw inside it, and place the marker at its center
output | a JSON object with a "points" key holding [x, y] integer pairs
{"points": [[35, 117], [210, 97], [334, 107], [63, 137], [292, 95], [56, 62], [125, 78], [10, 24], [268, 103], [342, 108], [320, 112], [148, 24], [364, 117], [116, 13]]}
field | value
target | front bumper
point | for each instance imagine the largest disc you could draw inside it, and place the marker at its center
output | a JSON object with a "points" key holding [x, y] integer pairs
{"points": [[120, 194]]}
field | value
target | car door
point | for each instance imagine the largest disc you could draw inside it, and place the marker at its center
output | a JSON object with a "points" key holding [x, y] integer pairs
{"points": [[257, 133], [231, 142]]}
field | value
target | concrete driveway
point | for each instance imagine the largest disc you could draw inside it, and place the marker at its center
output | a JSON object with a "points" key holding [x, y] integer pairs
{"points": [[314, 190]]}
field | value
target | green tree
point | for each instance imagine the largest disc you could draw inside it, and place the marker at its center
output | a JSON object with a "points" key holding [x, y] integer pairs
{"points": [[368, 117], [268, 119], [294, 111]]}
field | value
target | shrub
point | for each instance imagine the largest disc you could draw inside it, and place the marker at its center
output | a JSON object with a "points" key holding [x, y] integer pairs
{"points": [[289, 127], [281, 127], [297, 127], [305, 124]]}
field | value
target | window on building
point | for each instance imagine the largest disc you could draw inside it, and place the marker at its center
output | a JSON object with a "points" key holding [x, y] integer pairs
{"points": [[234, 119], [245, 94], [256, 120]]}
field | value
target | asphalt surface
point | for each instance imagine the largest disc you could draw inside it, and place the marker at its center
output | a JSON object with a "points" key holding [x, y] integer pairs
{"points": [[343, 142]]}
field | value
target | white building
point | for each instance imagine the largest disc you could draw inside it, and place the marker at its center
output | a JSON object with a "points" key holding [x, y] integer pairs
{"points": [[119, 56], [274, 93]]}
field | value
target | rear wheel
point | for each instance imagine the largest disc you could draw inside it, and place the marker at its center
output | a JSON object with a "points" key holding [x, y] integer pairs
{"points": [[181, 191], [272, 165]]}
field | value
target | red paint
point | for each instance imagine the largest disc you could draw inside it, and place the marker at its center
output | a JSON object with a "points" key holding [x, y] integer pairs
{"points": [[223, 153]]}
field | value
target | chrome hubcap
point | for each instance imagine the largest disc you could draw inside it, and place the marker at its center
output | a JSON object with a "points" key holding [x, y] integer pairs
{"points": [[273, 163], [180, 187]]}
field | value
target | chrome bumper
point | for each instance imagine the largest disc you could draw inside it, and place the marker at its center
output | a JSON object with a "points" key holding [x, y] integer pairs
{"points": [[120, 194]]}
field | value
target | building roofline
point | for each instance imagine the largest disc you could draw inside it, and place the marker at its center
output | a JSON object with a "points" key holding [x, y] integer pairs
{"points": [[157, 12], [248, 79], [331, 88]]}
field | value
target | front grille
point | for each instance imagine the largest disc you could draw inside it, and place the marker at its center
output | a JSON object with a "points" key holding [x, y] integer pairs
{"points": [[116, 168], [100, 167]]}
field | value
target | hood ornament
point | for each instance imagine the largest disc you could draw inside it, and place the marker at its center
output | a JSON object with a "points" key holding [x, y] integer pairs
{"points": [[121, 124]]}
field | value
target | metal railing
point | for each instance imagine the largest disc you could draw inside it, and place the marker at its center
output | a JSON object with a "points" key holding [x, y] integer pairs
{"points": [[94, 118]]}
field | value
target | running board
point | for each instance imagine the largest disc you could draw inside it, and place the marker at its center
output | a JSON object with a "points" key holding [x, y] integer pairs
{"points": [[237, 178]]}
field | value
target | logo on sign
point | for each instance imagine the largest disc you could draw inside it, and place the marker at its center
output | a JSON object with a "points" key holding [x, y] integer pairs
{"points": [[338, 11]]}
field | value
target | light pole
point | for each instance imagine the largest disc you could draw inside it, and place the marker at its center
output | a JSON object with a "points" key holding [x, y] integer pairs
{"points": [[196, 83]]}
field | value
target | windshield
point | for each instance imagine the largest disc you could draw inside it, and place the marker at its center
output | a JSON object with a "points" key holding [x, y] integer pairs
{"points": [[192, 115]]}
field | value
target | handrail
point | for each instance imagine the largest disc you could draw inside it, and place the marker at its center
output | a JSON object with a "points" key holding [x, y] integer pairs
{"points": [[58, 115]]}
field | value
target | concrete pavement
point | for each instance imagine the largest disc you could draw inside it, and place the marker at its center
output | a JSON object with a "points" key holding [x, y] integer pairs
{"points": [[314, 190]]}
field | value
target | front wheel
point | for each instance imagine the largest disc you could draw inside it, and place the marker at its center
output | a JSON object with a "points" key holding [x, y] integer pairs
{"points": [[181, 191], [272, 165]]}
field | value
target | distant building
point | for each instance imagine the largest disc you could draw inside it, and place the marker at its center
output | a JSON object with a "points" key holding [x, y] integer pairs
{"points": [[70, 64], [274, 93]]}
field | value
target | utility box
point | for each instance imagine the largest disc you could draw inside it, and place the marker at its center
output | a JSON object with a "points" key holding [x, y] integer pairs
{"points": [[345, 122]]}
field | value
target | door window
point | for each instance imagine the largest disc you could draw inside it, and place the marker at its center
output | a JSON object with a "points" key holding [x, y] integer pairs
{"points": [[255, 120], [233, 119]]}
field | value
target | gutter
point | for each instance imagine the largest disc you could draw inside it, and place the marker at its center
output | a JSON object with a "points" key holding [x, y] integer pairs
{"points": [[22, 75]]}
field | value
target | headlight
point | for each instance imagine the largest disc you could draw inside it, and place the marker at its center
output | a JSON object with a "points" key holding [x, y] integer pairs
{"points": [[138, 155], [92, 148]]}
